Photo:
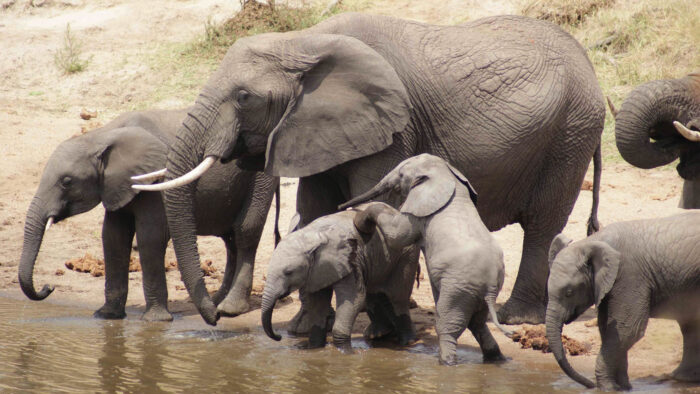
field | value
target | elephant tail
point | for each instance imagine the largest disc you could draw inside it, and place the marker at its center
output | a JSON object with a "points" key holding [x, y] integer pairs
{"points": [[491, 304], [593, 225], [277, 214]]}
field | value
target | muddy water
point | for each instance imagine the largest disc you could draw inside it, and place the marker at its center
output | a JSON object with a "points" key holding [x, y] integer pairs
{"points": [[47, 347]]}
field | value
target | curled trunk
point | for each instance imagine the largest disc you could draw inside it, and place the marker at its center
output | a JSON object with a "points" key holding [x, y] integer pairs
{"points": [[644, 131], [268, 304], [554, 328], [33, 235]]}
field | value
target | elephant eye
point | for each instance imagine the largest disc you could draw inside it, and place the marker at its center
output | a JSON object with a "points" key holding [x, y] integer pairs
{"points": [[418, 181], [243, 96], [569, 292], [66, 182], [288, 271]]}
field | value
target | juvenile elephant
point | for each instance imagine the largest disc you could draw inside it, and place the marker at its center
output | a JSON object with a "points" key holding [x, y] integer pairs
{"points": [[96, 167], [631, 271], [464, 262], [510, 101], [660, 122], [362, 267]]}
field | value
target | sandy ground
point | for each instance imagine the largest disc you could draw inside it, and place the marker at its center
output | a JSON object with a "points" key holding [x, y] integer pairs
{"points": [[39, 107]]}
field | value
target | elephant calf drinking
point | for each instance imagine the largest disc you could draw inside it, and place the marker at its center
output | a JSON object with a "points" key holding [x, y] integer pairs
{"points": [[96, 167], [631, 271], [464, 262], [332, 255]]}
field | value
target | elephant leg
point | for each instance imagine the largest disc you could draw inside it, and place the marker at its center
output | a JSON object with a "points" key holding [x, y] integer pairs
{"points": [[316, 306], [453, 312], [228, 272], [349, 301], [379, 310], [236, 301], [152, 236], [689, 368], [117, 235], [621, 327], [487, 343]]}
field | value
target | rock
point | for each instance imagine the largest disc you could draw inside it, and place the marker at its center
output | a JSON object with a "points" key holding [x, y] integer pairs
{"points": [[87, 115], [587, 185]]}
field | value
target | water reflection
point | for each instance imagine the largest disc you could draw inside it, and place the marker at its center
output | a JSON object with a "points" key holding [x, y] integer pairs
{"points": [[46, 347]]}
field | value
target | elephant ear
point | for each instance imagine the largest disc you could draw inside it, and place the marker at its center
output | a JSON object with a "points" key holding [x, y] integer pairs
{"points": [[331, 263], [472, 192], [429, 192], [558, 243], [348, 104], [126, 152], [605, 261]]}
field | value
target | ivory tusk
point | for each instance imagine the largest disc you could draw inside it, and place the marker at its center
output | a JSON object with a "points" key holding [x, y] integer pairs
{"points": [[48, 223], [690, 135], [150, 176], [183, 180]]}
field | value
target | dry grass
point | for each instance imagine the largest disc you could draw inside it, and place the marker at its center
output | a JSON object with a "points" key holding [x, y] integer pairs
{"points": [[564, 12]]}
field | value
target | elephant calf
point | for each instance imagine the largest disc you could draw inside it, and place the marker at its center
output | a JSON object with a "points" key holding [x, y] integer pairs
{"points": [[332, 255], [464, 262], [631, 271], [96, 167]]}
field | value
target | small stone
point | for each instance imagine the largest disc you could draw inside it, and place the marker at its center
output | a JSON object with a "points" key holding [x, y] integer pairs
{"points": [[60, 272], [87, 115]]}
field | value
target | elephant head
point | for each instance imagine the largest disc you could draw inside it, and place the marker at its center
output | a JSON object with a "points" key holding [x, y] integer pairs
{"points": [[295, 104], [82, 172], [426, 184], [311, 258], [580, 275], [660, 122]]}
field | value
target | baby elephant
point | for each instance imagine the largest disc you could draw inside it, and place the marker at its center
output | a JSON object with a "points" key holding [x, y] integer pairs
{"points": [[331, 255], [631, 271], [465, 264], [96, 167]]}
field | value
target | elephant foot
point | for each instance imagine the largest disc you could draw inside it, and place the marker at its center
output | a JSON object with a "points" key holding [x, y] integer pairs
{"points": [[219, 296], [317, 337], [407, 338], [233, 307], [494, 356], [108, 312], [157, 313], [519, 312], [376, 331], [686, 373]]}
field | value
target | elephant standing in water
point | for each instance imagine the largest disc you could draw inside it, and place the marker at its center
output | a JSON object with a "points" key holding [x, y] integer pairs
{"points": [[336, 254], [631, 271], [660, 122], [96, 167], [511, 102]]}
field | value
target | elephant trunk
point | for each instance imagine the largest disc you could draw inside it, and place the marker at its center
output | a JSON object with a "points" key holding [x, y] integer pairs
{"points": [[555, 324], [268, 304], [33, 235], [205, 119], [382, 187], [649, 112]]}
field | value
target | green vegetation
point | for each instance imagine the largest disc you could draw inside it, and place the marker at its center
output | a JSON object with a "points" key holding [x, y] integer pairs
{"points": [[69, 58]]}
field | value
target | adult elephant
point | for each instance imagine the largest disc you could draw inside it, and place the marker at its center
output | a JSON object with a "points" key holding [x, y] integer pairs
{"points": [[511, 102], [95, 167], [660, 122]]}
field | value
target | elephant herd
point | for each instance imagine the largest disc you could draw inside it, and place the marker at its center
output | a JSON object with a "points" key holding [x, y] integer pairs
{"points": [[418, 117]]}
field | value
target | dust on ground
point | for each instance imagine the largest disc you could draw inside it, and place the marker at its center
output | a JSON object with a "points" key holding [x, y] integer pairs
{"points": [[40, 107]]}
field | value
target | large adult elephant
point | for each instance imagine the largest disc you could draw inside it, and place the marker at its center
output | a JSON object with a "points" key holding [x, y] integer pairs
{"points": [[660, 122], [511, 102]]}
